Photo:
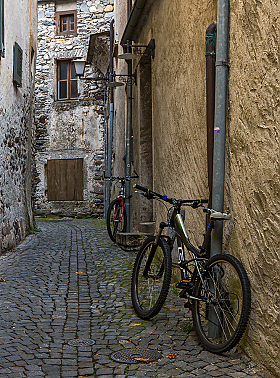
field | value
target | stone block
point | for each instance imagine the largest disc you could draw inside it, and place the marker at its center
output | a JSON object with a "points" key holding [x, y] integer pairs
{"points": [[130, 241]]}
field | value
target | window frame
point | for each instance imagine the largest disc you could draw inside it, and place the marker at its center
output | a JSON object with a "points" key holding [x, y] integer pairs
{"points": [[68, 80], [68, 13], [2, 30]]}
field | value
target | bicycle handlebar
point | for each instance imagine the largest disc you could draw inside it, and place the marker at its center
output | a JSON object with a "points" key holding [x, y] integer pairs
{"points": [[150, 194]]}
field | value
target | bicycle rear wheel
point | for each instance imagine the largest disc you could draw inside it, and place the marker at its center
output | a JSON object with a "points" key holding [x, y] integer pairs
{"points": [[116, 219], [221, 314], [151, 278]]}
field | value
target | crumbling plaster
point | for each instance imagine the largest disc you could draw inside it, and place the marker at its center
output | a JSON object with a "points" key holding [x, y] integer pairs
{"points": [[17, 125]]}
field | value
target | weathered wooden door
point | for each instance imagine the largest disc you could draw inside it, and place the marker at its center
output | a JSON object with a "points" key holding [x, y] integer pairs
{"points": [[65, 180]]}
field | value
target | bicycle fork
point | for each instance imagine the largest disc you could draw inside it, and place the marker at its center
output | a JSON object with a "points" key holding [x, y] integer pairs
{"points": [[154, 248]]}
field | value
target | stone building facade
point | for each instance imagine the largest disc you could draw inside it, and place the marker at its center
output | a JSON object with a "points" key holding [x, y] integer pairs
{"points": [[18, 40], [169, 116], [69, 110]]}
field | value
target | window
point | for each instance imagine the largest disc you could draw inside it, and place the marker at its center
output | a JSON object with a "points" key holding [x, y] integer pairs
{"points": [[2, 44], [65, 180], [67, 80], [17, 69], [66, 22]]}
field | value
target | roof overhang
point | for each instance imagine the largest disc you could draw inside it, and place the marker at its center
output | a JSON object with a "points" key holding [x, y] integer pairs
{"points": [[137, 19]]}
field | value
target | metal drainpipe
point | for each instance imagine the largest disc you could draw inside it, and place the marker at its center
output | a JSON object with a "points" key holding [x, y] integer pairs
{"points": [[111, 125], [220, 121], [129, 7], [210, 44], [105, 136], [128, 142]]}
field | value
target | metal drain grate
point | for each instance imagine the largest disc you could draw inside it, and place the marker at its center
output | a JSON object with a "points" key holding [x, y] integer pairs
{"points": [[128, 356], [81, 342]]}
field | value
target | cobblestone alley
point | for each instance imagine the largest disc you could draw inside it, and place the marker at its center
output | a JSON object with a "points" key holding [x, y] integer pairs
{"points": [[70, 282]]}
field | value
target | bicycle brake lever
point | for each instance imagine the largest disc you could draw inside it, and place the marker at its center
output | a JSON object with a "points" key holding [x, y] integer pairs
{"points": [[142, 194], [149, 195]]}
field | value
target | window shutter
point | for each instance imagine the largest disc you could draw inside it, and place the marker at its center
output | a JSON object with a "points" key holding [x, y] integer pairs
{"points": [[2, 44], [17, 75]]}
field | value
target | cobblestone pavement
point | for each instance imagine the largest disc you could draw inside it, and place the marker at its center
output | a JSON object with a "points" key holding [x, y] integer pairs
{"points": [[70, 282]]}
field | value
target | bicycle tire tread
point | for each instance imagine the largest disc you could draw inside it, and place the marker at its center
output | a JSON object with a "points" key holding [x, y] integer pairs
{"points": [[108, 219], [245, 313], [146, 315]]}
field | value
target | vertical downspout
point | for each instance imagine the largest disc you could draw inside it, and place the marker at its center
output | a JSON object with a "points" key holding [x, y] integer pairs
{"points": [[220, 120], [105, 137], [128, 129], [128, 141], [210, 54], [111, 125], [129, 8]]}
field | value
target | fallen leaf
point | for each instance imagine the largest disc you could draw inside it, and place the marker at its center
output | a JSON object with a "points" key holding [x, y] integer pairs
{"points": [[80, 272], [172, 356], [2, 280], [146, 360]]}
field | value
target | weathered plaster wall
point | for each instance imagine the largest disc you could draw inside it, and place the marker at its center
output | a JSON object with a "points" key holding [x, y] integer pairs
{"points": [[16, 119], [178, 104], [252, 158], [253, 173], [179, 141], [120, 66], [74, 128]]}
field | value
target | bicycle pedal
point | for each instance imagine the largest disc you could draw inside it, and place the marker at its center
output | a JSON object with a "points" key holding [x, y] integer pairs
{"points": [[184, 284]]}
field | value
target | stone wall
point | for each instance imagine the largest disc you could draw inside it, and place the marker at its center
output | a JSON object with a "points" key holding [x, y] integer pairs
{"points": [[70, 129], [17, 124]]}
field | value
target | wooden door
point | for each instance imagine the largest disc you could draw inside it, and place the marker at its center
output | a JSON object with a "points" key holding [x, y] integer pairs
{"points": [[65, 180]]}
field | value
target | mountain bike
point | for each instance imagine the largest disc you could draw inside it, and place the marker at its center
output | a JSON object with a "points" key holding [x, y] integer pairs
{"points": [[116, 217], [216, 289]]}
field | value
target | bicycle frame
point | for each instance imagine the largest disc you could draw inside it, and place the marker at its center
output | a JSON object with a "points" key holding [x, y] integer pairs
{"points": [[116, 215], [121, 196], [197, 256]]}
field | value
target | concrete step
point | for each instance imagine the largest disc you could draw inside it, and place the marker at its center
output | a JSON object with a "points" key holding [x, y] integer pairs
{"points": [[130, 241], [147, 227]]}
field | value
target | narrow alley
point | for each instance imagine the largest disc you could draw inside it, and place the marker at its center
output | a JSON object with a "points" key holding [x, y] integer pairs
{"points": [[69, 283]]}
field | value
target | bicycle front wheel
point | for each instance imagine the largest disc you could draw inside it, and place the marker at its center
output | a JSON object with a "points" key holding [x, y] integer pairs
{"points": [[151, 277], [116, 219], [221, 312]]}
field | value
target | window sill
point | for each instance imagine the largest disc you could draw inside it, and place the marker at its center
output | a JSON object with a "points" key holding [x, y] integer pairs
{"points": [[67, 100], [66, 35]]}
